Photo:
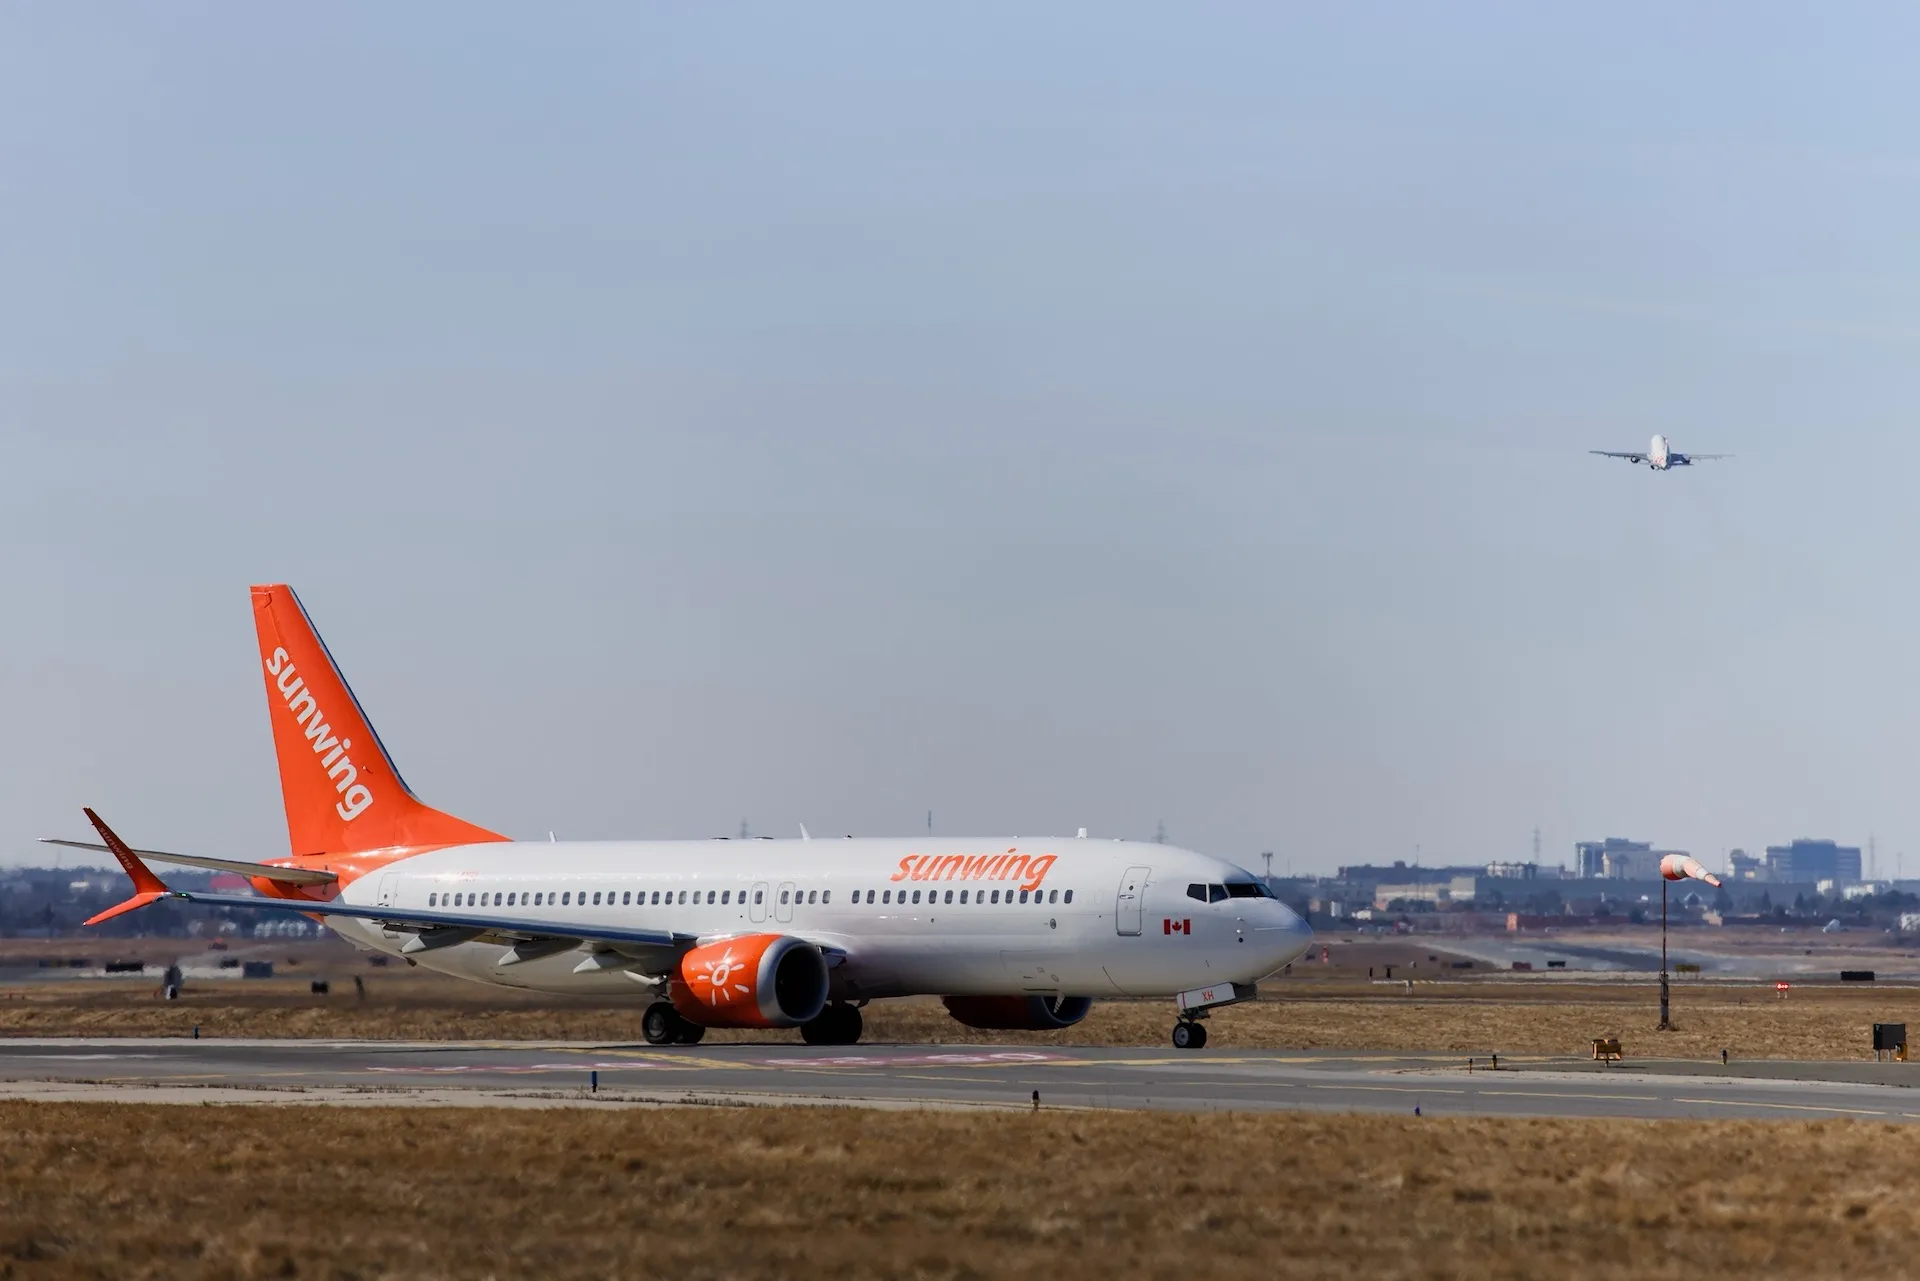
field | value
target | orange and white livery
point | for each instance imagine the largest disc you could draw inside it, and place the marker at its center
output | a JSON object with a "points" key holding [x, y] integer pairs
{"points": [[761, 933]]}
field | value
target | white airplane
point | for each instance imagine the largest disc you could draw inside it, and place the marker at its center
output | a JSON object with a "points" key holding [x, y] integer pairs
{"points": [[1013, 933], [1659, 455]]}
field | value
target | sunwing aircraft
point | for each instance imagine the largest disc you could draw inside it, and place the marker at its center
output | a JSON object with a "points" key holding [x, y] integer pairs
{"points": [[1659, 455], [1013, 933]]}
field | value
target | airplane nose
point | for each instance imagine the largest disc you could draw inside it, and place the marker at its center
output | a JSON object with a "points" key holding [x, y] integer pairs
{"points": [[1283, 939]]}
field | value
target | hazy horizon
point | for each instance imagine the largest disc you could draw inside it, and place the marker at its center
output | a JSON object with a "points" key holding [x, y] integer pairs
{"points": [[1050, 418]]}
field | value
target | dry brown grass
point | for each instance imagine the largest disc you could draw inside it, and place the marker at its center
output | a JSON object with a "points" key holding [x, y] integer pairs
{"points": [[1468, 1017], [104, 1190]]}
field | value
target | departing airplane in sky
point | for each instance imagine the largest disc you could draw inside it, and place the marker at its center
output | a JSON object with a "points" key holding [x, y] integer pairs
{"points": [[1013, 933], [1659, 455]]}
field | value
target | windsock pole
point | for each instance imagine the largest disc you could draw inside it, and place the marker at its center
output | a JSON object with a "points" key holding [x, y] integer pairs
{"points": [[1666, 1023]]}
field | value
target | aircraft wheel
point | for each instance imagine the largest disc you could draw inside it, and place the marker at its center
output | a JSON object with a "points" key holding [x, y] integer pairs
{"points": [[689, 1033], [836, 1025], [659, 1024], [1189, 1036]]}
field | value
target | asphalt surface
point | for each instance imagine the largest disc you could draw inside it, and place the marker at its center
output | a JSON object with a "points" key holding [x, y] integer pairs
{"points": [[1218, 1079]]}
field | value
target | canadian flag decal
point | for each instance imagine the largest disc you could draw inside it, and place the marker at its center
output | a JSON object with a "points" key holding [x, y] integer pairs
{"points": [[1170, 926]]}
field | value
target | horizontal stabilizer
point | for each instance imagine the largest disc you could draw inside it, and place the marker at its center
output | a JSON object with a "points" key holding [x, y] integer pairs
{"points": [[239, 867]]}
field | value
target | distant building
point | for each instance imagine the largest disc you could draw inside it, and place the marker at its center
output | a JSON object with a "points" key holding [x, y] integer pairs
{"points": [[1514, 871], [1742, 866], [1436, 891], [1636, 865], [1812, 860], [1615, 859], [1400, 872], [1590, 857]]}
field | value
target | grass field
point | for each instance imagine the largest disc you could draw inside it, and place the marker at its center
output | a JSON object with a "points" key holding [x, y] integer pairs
{"points": [[1472, 1017], [103, 1190]]}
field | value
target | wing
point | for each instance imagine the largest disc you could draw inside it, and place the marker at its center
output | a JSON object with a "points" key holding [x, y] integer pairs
{"points": [[1688, 460], [1608, 453], [285, 875], [644, 953]]}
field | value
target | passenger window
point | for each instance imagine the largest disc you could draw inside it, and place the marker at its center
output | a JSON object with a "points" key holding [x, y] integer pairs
{"points": [[869, 896], [949, 896], [725, 895], [783, 897], [1053, 896], [826, 896], [1216, 893], [1068, 898], [566, 898], [916, 896], [509, 900], [758, 895], [963, 896], [886, 896], [683, 897], [996, 896], [711, 895], [811, 895], [537, 898], [431, 900], [1023, 896]]}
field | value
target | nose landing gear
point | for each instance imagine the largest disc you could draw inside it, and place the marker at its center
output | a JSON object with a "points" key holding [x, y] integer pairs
{"points": [[664, 1025], [1189, 1033]]}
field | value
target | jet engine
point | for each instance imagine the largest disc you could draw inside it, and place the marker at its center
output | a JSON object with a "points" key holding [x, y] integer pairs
{"points": [[759, 980], [1019, 1013]]}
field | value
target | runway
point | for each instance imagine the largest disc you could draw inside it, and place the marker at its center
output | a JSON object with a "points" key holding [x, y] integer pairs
{"points": [[1217, 1080]]}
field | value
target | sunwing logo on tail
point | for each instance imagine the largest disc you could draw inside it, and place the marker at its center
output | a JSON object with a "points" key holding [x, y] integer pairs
{"points": [[354, 796]]}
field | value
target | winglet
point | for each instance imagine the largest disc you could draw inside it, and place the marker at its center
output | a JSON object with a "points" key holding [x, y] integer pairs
{"points": [[147, 887]]}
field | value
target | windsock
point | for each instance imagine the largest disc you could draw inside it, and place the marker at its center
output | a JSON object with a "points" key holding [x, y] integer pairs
{"points": [[1679, 867]]}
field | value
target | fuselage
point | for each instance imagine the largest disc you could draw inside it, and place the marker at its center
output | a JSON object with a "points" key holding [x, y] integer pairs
{"points": [[1074, 916], [1658, 453]]}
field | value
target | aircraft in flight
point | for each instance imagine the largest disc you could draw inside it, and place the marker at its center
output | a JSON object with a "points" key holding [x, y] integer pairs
{"points": [[1012, 933], [1659, 455]]}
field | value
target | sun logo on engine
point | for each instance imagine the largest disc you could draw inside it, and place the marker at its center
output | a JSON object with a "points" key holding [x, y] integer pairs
{"points": [[716, 975]]}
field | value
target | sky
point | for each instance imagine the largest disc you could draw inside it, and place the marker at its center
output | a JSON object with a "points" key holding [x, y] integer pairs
{"points": [[1077, 415]]}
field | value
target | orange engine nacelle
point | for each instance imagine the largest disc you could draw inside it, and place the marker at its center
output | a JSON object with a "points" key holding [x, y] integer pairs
{"points": [[1019, 1013], [759, 980]]}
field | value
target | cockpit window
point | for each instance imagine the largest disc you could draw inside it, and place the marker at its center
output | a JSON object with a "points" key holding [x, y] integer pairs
{"points": [[1215, 893], [1248, 889], [1198, 891]]}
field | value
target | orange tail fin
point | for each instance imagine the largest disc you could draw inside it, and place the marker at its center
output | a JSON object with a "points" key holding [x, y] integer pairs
{"points": [[342, 792]]}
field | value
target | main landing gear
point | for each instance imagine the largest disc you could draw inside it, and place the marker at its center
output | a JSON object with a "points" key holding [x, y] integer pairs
{"points": [[1190, 1034], [664, 1025], [836, 1025]]}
